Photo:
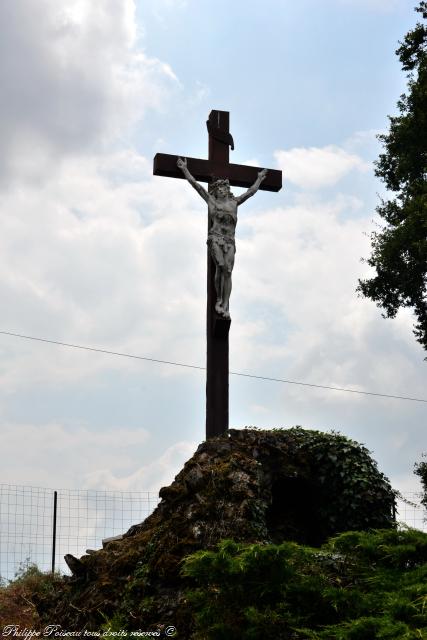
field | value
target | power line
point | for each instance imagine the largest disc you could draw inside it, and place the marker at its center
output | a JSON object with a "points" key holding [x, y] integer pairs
{"points": [[323, 386], [193, 366], [110, 353]]}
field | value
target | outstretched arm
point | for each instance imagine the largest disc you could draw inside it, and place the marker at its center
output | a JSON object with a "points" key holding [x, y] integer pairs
{"points": [[254, 188], [182, 164]]}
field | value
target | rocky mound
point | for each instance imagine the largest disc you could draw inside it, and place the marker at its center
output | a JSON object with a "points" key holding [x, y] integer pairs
{"points": [[250, 486]]}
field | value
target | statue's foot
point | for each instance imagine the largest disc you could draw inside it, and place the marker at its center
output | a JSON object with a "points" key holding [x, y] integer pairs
{"points": [[221, 311]]}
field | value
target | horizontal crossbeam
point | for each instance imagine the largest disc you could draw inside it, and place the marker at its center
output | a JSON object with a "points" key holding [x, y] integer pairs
{"points": [[239, 175]]}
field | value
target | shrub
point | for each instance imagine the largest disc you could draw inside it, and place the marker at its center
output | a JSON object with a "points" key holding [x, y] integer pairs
{"points": [[358, 586], [19, 599]]}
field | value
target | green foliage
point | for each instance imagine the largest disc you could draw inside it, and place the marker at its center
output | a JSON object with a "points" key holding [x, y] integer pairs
{"points": [[29, 575], [115, 624], [421, 471], [27, 569], [358, 586], [350, 491], [399, 250]]}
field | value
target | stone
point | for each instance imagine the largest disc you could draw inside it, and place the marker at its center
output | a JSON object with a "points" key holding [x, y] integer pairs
{"points": [[251, 486], [107, 541], [75, 565]]}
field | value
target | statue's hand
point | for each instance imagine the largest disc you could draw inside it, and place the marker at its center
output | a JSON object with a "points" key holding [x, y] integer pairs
{"points": [[181, 163], [262, 174]]}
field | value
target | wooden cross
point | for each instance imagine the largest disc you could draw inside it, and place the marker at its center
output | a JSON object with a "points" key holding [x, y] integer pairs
{"points": [[217, 327]]}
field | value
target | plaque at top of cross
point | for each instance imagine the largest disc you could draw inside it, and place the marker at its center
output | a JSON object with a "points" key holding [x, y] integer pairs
{"points": [[222, 220]]}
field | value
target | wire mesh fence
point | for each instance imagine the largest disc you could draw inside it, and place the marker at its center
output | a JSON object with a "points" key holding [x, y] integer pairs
{"points": [[85, 517], [410, 511]]}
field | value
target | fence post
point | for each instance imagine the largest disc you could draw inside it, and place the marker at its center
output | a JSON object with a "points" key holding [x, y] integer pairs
{"points": [[55, 501]]}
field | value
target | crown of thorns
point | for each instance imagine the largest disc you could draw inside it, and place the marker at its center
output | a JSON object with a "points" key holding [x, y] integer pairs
{"points": [[219, 182]]}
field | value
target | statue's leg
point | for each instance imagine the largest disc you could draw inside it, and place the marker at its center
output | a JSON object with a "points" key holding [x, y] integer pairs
{"points": [[216, 251], [228, 268], [219, 289], [227, 292]]}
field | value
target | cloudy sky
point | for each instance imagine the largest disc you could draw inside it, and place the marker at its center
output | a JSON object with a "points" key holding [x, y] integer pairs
{"points": [[96, 251]]}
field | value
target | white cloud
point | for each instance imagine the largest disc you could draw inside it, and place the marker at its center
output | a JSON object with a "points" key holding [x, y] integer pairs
{"points": [[72, 80], [315, 167], [298, 268], [92, 258], [87, 231], [47, 451], [150, 477]]}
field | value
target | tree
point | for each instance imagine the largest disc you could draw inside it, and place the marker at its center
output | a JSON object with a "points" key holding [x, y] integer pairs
{"points": [[399, 249], [421, 471]]}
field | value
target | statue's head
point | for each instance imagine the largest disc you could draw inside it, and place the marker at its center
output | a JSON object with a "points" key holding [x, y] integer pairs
{"points": [[220, 187]]}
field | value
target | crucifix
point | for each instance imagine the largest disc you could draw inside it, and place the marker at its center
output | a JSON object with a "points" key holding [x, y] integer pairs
{"points": [[219, 173]]}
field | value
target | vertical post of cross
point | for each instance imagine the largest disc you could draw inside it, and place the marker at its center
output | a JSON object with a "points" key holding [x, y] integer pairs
{"points": [[217, 328], [217, 166]]}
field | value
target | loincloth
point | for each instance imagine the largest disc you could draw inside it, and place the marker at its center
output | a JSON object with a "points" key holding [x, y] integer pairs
{"points": [[220, 241]]}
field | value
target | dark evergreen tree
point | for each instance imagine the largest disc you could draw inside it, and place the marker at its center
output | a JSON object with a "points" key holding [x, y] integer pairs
{"points": [[399, 250]]}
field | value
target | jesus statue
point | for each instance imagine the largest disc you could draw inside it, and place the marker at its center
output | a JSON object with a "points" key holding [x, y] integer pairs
{"points": [[222, 212]]}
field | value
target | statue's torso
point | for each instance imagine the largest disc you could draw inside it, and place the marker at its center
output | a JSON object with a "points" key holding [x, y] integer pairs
{"points": [[223, 217]]}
